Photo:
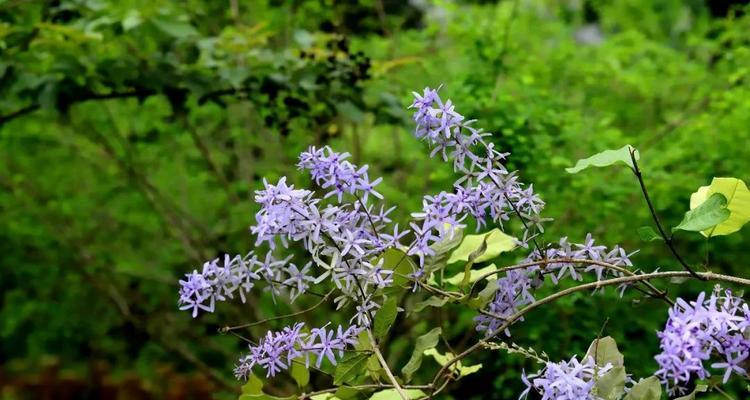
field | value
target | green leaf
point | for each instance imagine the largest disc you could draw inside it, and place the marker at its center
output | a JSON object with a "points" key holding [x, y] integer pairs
{"points": [[611, 386], [384, 318], [346, 392], [432, 301], [605, 159], [484, 297], [645, 389], [176, 29], [447, 243], [392, 394], [691, 396], [648, 234], [349, 367], [738, 203], [474, 275], [604, 351], [707, 215], [444, 359], [497, 242], [424, 342], [300, 374], [401, 264], [132, 19], [254, 385]]}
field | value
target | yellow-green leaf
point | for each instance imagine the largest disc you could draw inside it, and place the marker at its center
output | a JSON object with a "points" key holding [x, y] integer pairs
{"points": [[706, 216], [497, 242], [300, 374], [604, 351], [424, 342], [474, 275], [738, 204], [254, 385], [645, 389], [605, 159], [444, 359]]}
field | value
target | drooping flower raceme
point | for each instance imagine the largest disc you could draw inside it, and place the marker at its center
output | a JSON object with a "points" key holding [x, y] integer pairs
{"points": [[276, 351], [515, 289], [565, 380], [702, 330], [218, 280], [485, 190]]}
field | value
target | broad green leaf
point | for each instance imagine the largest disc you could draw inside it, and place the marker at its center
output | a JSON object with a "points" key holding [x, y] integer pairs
{"points": [[424, 342], [349, 367], [384, 318], [346, 392], [648, 234], [444, 359], [254, 385], [497, 242], [448, 242], [401, 264], [604, 351], [484, 296], [605, 159], [738, 203], [432, 301], [611, 386], [300, 374], [691, 396], [645, 389], [706, 215], [474, 275], [392, 394]]}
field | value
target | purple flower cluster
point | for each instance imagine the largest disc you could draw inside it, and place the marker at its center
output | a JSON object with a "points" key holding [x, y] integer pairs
{"points": [[697, 331], [515, 289], [277, 350], [219, 280], [565, 380], [485, 190], [334, 172], [342, 239]]}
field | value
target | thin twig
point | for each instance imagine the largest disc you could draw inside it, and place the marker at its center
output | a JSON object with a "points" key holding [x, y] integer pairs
{"points": [[667, 239], [263, 321]]}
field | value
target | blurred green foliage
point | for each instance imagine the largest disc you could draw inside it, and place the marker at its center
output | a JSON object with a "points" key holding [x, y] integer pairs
{"points": [[133, 133]]}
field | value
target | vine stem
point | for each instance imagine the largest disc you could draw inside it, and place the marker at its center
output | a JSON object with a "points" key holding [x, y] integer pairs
{"points": [[667, 239], [655, 291], [707, 276], [384, 364]]}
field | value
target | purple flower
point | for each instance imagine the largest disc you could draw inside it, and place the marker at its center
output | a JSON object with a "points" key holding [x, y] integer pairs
{"points": [[334, 172], [278, 350], [218, 281], [698, 331], [565, 380]]}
